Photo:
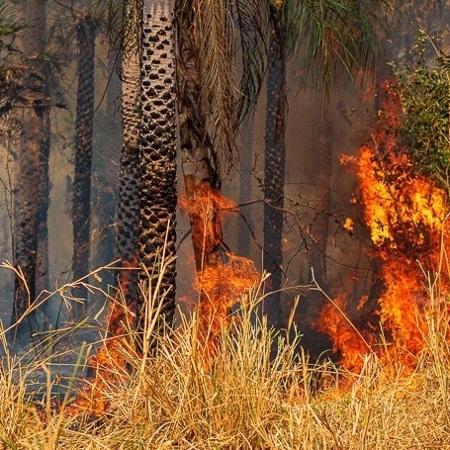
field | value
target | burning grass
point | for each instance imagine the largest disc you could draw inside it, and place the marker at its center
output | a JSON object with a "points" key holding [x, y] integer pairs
{"points": [[246, 399]]}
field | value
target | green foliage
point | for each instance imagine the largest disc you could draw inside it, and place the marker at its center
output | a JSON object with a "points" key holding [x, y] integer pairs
{"points": [[8, 23], [424, 91]]}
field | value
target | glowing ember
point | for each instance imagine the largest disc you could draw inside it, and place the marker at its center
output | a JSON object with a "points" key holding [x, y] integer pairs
{"points": [[348, 225], [405, 214]]}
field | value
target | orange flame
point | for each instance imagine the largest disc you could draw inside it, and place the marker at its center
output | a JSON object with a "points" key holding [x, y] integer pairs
{"points": [[108, 364], [222, 277], [405, 214]]}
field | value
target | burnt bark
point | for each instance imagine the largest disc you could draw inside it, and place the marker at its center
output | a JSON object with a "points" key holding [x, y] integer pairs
{"points": [[81, 203]]}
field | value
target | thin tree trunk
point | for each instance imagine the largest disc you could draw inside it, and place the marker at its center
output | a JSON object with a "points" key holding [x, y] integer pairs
{"points": [[245, 185], [158, 190], [42, 262], [81, 207], [320, 230], [130, 172], [44, 198], [30, 174], [274, 167]]}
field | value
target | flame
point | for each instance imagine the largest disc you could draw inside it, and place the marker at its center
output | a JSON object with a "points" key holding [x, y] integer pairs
{"points": [[405, 214], [108, 363], [348, 225], [222, 277], [221, 286]]}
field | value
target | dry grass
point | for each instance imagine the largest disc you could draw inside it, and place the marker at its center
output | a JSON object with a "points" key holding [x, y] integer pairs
{"points": [[245, 399]]}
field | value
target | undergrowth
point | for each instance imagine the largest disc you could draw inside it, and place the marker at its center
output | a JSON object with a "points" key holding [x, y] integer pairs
{"points": [[258, 391]]}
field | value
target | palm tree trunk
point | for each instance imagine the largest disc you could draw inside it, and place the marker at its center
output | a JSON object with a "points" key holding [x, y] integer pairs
{"points": [[200, 178], [158, 190], [81, 207], [274, 166], [30, 174], [130, 172]]}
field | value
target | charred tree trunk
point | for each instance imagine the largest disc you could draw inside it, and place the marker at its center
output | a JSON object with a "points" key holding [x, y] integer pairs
{"points": [[81, 207], [158, 190], [30, 173], [274, 165], [130, 172]]}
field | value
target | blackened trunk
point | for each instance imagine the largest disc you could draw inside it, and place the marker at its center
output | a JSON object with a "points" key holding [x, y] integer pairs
{"points": [[30, 174], [274, 166], [81, 207], [158, 190]]}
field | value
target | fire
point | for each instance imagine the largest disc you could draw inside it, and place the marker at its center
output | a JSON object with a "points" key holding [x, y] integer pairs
{"points": [[348, 225], [220, 287], [108, 364], [222, 277], [405, 214]]}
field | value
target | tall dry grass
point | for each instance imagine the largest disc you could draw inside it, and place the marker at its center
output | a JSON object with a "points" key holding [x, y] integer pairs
{"points": [[249, 396]]}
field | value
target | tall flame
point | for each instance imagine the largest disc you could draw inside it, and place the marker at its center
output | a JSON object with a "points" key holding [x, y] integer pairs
{"points": [[405, 214]]}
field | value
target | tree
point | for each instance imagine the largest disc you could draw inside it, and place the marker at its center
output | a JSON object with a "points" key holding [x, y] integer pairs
{"points": [[328, 33], [158, 148], [324, 164], [129, 177], [205, 105], [32, 140], [274, 159], [86, 29]]}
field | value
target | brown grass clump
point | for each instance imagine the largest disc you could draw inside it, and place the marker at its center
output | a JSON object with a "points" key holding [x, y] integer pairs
{"points": [[247, 398]]}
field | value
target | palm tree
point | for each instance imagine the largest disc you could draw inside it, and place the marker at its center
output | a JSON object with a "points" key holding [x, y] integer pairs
{"points": [[86, 29], [32, 140], [203, 93], [329, 33], [274, 159], [158, 148]]}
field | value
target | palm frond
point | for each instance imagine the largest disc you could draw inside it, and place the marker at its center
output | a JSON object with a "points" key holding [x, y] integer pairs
{"points": [[209, 26], [252, 22], [332, 33], [109, 15], [8, 22]]}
